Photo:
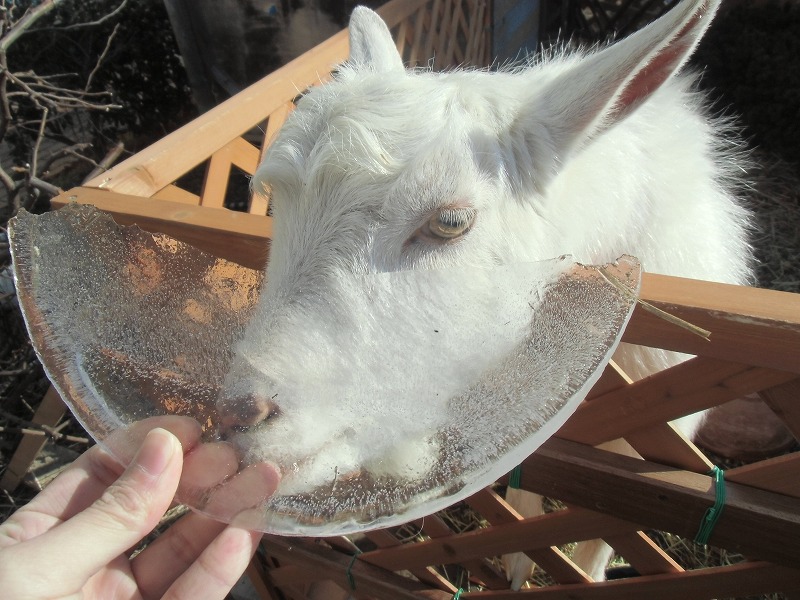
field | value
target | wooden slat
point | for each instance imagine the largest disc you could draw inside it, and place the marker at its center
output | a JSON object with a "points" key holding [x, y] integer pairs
{"points": [[691, 386], [215, 183], [739, 580], [259, 204], [462, 38], [785, 401], [237, 152], [552, 529], [395, 12], [748, 325], [779, 475], [443, 35], [613, 378], [471, 52], [235, 236], [664, 444], [333, 565], [452, 37], [292, 575], [651, 444], [643, 554], [754, 522], [420, 23], [49, 413], [175, 194], [401, 37], [660, 443], [276, 120], [384, 539], [301, 581], [482, 570], [432, 26], [497, 511], [243, 154], [165, 161], [260, 580]]}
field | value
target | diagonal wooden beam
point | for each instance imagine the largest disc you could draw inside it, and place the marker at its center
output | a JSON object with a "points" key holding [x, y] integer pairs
{"points": [[748, 325], [754, 522]]}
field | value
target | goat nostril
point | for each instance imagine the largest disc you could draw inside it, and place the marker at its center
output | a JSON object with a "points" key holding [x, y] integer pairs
{"points": [[273, 410], [243, 412]]}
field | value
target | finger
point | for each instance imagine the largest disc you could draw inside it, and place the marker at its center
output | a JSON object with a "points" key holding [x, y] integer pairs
{"points": [[125, 442], [163, 561], [203, 469], [89, 476], [246, 490], [123, 514], [72, 491], [218, 568]]}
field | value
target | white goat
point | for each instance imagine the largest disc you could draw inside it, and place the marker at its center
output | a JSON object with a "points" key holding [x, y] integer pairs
{"points": [[592, 154]]}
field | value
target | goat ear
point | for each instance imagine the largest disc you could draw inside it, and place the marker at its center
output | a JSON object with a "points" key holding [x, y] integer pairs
{"points": [[605, 87], [371, 45]]}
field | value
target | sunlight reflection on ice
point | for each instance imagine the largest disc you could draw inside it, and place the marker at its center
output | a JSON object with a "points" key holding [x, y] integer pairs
{"points": [[390, 397]]}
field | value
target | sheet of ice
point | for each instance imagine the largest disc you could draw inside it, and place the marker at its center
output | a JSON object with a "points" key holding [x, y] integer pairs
{"points": [[393, 394]]}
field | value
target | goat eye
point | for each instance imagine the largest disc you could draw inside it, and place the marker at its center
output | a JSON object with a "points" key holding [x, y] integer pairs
{"points": [[451, 222]]}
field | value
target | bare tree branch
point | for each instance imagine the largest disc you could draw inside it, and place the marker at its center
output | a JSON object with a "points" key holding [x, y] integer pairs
{"points": [[60, 153], [32, 15], [108, 160], [99, 21], [37, 144], [47, 188], [101, 58], [60, 104], [7, 180]]}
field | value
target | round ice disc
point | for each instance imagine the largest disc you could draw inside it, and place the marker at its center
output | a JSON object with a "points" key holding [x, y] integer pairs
{"points": [[370, 400]]}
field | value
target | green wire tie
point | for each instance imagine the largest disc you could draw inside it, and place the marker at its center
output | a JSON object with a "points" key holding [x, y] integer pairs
{"points": [[713, 514], [350, 578], [457, 595], [515, 477]]}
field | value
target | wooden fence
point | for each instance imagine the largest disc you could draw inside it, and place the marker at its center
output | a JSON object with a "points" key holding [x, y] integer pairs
{"points": [[754, 349]]}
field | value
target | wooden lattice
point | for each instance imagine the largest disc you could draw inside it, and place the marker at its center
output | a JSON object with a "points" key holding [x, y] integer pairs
{"points": [[754, 349], [456, 32]]}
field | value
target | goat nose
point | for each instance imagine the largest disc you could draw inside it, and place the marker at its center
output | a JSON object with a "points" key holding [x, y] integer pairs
{"points": [[241, 412]]}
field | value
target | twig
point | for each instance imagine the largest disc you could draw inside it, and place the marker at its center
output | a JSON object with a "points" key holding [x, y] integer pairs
{"points": [[28, 19], [4, 104], [47, 188], [101, 58], [56, 97], [12, 372], [99, 21], [53, 435], [662, 314], [7, 180], [37, 144], [108, 160], [54, 156]]}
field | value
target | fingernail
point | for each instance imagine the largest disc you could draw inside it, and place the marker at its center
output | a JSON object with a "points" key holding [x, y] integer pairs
{"points": [[156, 451]]}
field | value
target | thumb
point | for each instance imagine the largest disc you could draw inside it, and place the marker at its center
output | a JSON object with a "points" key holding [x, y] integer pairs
{"points": [[127, 510]]}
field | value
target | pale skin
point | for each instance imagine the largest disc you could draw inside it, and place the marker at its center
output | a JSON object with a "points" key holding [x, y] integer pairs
{"points": [[74, 539]]}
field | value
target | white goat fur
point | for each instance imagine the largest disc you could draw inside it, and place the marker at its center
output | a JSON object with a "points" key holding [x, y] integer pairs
{"points": [[567, 155]]}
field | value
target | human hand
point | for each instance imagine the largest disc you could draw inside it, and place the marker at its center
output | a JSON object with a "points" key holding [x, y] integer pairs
{"points": [[72, 540]]}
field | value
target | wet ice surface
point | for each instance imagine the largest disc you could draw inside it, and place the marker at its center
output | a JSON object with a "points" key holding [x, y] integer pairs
{"points": [[392, 395]]}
